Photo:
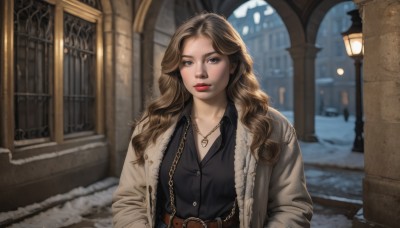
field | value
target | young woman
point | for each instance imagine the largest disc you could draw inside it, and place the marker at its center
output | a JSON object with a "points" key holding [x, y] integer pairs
{"points": [[210, 152]]}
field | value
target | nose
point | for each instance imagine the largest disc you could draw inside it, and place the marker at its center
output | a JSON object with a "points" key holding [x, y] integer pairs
{"points": [[200, 71]]}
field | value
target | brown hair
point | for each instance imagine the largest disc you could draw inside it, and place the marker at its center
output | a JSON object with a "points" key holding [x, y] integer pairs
{"points": [[243, 88]]}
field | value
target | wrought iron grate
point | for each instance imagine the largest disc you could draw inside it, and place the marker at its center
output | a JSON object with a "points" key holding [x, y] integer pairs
{"points": [[34, 68], [79, 74]]}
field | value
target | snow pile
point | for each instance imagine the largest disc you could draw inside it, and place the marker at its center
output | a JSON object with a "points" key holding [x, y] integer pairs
{"points": [[70, 213], [82, 204]]}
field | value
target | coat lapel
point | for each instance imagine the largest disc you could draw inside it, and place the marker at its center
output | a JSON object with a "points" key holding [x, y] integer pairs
{"points": [[245, 165], [155, 154]]}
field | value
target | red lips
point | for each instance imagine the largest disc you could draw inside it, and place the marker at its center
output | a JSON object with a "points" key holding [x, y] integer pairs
{"points": [[200, 87]]}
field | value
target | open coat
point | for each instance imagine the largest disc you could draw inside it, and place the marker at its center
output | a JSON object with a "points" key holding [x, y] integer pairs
{"points": [[267, 195]]}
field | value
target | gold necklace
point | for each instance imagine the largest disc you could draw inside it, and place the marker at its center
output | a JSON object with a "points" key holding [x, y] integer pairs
{"points": [[204, 141]]}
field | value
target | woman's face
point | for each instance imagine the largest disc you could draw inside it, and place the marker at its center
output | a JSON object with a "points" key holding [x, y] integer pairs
{"points": [[205, 73]]}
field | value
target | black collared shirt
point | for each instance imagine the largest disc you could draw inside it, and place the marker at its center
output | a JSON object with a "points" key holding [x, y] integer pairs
{"points": [[203, 189]]}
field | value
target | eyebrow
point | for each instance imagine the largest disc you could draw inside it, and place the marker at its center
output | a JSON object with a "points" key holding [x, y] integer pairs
{"points": [[205, 55]]}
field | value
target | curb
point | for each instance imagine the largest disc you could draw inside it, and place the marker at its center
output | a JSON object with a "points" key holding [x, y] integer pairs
{"points": [[350, 205], [333, 166]]}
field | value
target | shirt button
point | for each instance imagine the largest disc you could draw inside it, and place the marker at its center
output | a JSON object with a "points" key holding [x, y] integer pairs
{"points": [[198, 173], [194, 203]]}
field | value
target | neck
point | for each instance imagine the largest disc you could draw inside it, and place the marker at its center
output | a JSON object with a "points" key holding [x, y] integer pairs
{"points": [[209, 110]]}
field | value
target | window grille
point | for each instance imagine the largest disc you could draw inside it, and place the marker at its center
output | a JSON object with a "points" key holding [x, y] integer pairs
{"points": [[79, 74], [33, 69]]}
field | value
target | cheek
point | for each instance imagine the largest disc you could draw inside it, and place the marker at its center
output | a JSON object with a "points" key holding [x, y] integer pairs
{"points": [[184, 77], [226, 80], [224, 76]]}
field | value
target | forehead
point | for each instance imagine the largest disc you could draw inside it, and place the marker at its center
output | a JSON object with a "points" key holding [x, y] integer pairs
{"points": [[197, 44]]}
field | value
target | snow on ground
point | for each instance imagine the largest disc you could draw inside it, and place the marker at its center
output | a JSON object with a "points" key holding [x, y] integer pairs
{"points": [[334, 148], [71, 212], [330, 221], [79, 201], [336, 137]]}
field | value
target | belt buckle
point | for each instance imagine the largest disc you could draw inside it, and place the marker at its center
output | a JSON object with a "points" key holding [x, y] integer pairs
{"points": [[184, 224]]}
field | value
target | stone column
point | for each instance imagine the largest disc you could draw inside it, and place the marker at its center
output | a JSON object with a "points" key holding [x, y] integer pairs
{"points": [[381, 185], [304, 90], [118, 80]]}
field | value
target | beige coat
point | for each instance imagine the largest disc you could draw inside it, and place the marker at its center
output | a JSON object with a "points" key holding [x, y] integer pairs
{"points": [[268, 196]]}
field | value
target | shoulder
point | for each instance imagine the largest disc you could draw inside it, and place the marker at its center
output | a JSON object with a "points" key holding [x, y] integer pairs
{"points": [[282, 129], [277, 116]]}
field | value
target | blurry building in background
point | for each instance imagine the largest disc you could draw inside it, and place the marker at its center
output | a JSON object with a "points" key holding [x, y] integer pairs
{"points": [[334, 70], [267, 39]]}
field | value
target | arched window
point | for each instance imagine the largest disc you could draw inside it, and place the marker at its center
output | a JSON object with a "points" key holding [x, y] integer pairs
{"points": [[33, 69], [57, 71], [79, 78]]}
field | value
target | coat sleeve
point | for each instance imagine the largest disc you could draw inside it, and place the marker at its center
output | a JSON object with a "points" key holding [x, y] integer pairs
{"points": [[290, 204], [129, 206]]}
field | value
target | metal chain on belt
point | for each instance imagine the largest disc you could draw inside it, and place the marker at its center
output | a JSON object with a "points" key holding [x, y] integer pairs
{"points": [[171, 175]]}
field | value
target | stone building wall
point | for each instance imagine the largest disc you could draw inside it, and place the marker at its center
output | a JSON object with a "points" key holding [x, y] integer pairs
{"points": [[381, 190], [118, 58]]}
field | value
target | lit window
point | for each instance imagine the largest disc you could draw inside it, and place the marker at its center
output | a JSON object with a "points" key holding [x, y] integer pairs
{"points": [[256, 17], [245, 30]]}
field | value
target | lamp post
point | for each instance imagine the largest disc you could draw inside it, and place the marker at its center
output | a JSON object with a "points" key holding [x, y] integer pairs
{"points": [[353, 40]]}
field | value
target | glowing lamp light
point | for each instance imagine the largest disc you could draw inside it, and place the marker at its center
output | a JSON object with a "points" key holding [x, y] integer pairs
{"points": [[340, 71], [353, 40], [353, 37], [354, 44]]}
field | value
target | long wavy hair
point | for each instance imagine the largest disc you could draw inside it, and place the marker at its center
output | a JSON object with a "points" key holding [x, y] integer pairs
{"points": [[243, 88]]}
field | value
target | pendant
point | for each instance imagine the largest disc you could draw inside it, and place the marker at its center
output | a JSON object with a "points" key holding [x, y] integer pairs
{"points": [[204, 142]]}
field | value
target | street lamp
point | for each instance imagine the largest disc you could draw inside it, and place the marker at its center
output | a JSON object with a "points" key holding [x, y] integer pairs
{"points": [[353, 41]]}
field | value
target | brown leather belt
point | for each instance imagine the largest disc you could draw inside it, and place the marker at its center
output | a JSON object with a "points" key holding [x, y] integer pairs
{"points": [[193, 222]]}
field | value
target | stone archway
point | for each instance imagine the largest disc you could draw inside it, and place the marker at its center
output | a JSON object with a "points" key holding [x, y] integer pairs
{"points": [[303, 52], [118, 71], [289, 17], [317, 16], [153, 28], [130, 77], [326, 95]]}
